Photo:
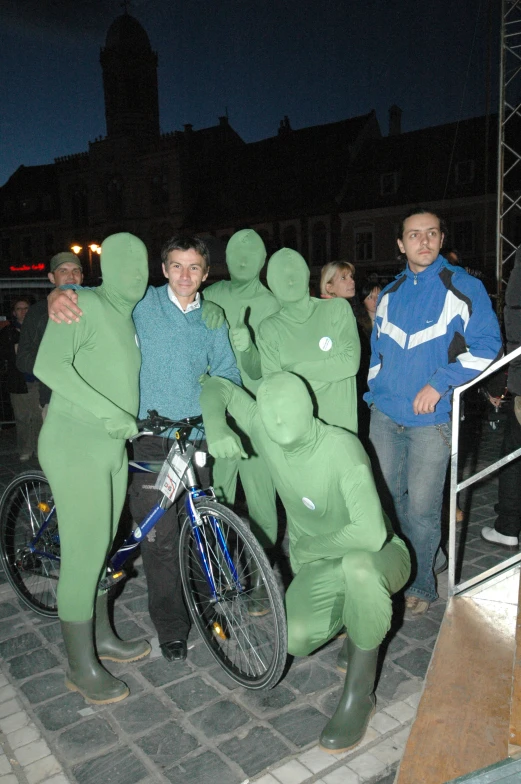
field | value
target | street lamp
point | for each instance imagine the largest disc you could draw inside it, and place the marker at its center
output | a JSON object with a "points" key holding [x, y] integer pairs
{"points": [[93, 248]]}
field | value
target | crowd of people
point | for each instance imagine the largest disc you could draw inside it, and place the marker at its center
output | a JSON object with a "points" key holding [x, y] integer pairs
{"points": [[301, 377]]}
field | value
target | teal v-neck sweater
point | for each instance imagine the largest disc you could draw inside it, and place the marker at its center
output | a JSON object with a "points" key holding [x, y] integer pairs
{"points": [[177, 349]]}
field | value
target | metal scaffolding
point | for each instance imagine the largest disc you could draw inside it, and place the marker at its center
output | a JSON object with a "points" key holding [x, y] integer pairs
{"points": [[509, 142]]}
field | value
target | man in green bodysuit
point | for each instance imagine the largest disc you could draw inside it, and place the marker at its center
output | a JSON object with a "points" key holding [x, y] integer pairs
{"points": [[93, 371], [316, 339], [246, 302], [346, 560]]}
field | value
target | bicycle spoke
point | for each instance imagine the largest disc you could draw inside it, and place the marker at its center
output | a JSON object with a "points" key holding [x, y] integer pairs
{"points": [[251, 648], [30, 553]]}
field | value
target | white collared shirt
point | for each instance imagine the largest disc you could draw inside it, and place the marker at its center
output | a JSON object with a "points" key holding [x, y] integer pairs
{"points": [[192, 306]]}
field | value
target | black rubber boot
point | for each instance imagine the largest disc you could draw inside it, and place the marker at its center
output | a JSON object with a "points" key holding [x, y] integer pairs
{"points": [[85, 673], [258, 603], [110, 647], [349, 722], [342, 658]]}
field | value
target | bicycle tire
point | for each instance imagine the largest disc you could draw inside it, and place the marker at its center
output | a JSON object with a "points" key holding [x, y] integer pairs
{"points": [[251, 649], [32, 575]]}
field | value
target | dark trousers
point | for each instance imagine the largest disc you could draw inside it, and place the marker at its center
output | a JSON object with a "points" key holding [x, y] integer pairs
{"points": [[159, 549], [508, 521]]}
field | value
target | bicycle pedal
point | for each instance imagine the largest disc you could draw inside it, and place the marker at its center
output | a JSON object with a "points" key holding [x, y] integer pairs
{"points": [[112, 579]]}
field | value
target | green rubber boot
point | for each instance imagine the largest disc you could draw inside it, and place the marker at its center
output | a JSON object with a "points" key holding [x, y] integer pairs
{"points": [[85, 673], [341, 661], [347, 726], [258, 602], [110, 647]]}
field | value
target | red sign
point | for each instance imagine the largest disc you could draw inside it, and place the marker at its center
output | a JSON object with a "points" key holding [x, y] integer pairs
{"points": [[28, 268]]}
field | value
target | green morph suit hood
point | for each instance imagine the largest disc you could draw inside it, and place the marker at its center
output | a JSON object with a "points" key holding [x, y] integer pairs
{"points": [[124, 268], [286, 411], [288, 278], [245, 256]]}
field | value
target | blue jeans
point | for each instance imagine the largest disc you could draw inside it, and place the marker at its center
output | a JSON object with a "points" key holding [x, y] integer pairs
{"points": [[413, 464]]}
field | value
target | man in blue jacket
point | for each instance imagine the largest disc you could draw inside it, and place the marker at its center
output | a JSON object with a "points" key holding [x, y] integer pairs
{"points": [[434, 330]]}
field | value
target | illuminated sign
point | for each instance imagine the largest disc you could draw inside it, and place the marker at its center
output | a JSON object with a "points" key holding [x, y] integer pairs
{"points": [[28, 268]]}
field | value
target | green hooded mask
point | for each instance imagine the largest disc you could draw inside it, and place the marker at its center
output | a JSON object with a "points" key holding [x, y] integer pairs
{"points": [[315, 339]]}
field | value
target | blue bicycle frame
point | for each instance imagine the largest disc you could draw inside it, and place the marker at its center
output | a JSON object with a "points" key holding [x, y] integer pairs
{"points": [[170, 482]]}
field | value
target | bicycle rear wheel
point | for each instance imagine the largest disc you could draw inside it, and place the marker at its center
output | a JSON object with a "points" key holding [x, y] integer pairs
{"points": [[31, 563], [252, 648]]}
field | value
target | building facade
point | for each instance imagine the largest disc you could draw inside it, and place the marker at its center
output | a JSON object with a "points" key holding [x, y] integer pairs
{"points": [[330, 191]]}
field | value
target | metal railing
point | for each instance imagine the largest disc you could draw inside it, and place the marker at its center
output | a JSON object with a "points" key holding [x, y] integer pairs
{"points": [[456, 487]]}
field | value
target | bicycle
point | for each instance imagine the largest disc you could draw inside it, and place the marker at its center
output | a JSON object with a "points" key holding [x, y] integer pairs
{"points": [[220, 559]]}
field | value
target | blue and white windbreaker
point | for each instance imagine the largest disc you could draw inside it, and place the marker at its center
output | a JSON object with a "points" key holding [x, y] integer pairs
{"points": [[436, 327]]}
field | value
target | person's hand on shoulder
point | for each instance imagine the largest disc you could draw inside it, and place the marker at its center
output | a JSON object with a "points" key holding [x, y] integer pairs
{"points": [[212, 314], [62, 306]]}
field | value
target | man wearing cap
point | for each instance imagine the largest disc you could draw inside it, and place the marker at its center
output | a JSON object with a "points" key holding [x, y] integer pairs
{"points": [[65, 268]]}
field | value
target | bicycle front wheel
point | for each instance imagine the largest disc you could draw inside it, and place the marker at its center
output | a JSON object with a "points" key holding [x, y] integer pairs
{"points": [[29, 541], [222, 566]]}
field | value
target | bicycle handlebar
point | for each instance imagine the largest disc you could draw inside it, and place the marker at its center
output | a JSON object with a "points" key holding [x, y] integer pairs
{"points": [[157, 424]]}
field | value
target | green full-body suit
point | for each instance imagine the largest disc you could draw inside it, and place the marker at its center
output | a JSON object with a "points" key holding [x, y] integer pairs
{"points": [[315, 339], [346, 560], [246, 302], [92, 368]]}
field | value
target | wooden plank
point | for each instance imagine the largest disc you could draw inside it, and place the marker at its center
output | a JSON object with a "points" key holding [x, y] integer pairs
{"points": [[515, 709], [462, 723]]}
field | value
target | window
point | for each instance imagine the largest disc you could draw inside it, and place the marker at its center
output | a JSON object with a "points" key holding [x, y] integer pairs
{"points": [[5, 245], [79, 205], [388, 183], [289, 238], [464, 172], [27, 247], [364, 244], [114, 196], [319, 244], [49, 244], [463, 236], [160, 192], [28, 205], [47, 202]]}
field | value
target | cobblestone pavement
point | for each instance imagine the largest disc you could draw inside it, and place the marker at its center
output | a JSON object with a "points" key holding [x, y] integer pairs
{"points": [[188, 722]]}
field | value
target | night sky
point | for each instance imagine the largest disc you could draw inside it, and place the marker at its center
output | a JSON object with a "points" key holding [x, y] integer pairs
{"points": [[316, 61]]}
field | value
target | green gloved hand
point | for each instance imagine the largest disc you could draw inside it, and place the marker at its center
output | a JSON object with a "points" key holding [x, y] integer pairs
{"points": [[121, 425], [212, 314], [225, 444], [240, 337]]}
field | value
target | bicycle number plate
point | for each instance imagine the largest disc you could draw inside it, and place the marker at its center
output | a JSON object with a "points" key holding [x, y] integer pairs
{"points": [[171, 475]]}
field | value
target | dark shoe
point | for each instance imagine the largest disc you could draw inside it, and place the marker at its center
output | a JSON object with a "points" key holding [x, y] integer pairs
{"points": [[174, 650], [347, 726], [341, 661], [108, 645], [85, 674]]}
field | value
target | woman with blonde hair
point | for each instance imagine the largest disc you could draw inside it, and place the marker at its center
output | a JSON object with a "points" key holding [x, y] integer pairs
{"points": [[337, 279]]}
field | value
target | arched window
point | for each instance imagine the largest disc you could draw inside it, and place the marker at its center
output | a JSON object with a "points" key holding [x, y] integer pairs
{"points": [[159, 193], [79, 205], [289, 237], [114, 197], [319, 244]]}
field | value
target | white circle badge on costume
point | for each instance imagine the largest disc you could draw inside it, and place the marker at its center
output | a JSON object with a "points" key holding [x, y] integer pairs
{"points": [[308, 502], [325, 344]]}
